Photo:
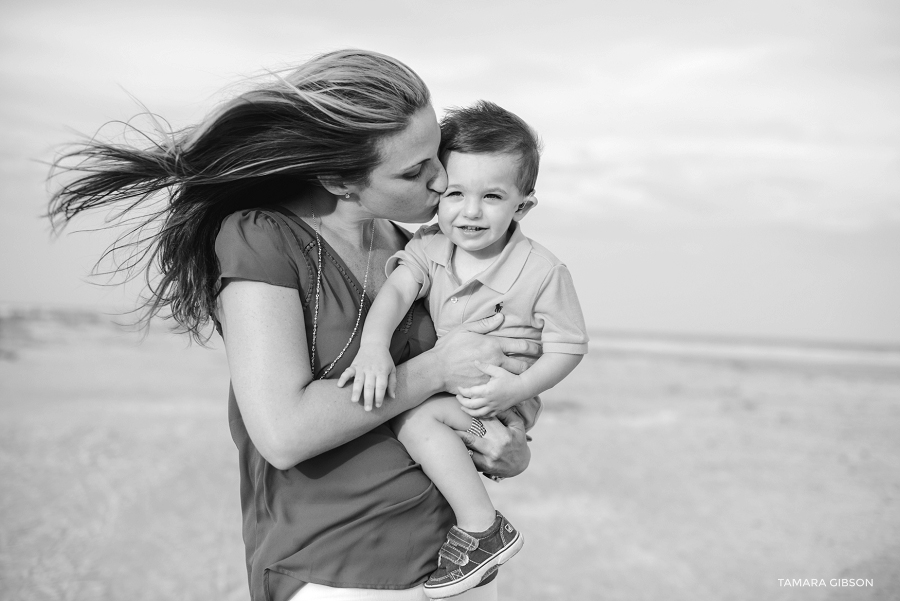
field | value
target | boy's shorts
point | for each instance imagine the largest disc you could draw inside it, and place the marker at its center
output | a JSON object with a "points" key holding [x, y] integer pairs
{"points": [[529, 411]]}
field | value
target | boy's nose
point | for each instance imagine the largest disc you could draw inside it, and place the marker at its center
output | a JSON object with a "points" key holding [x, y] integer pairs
{"points": [[472, 207]]}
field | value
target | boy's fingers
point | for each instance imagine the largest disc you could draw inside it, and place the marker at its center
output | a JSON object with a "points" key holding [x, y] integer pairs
{"points": [[479, 412], [392, 384], [469, 403], [369, 392], [477, 391], [345, 377], [358, 382], [380, 386], [476, 411]]}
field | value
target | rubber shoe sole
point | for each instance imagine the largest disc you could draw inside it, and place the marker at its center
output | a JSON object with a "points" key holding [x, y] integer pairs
{"points": [[472, 579]]}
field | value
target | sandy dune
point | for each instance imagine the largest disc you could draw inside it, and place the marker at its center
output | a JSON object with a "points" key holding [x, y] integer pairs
{"points": [[660, 472]]}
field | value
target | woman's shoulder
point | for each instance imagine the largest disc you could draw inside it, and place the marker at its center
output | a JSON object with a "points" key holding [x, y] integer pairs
{"points": [[261, 244], [263, 227]]}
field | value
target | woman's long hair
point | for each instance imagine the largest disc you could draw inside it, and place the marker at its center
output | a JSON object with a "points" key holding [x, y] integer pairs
{"points": [[323, 120]]}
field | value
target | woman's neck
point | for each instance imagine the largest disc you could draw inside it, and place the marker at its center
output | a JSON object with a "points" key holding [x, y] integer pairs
{"points": [[340, 219]]}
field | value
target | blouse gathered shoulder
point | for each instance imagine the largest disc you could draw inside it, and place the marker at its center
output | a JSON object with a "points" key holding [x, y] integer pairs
{"points": [[362, 515]]}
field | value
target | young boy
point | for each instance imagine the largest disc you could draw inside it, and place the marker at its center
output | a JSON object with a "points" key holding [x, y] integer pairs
{"points": [[473, 263]]}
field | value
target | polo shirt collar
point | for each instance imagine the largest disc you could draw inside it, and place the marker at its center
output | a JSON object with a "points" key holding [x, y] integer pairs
{"points": [[503, 272]]}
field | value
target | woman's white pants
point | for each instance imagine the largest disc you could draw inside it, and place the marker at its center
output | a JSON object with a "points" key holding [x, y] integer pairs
{"points": [[317, 592]]}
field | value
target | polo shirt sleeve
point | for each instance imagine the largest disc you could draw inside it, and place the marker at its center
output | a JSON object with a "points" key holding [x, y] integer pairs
{"points": [[414, 258], [558, 314], [251, 245]]}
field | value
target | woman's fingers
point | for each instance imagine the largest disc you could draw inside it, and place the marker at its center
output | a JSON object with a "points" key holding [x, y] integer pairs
{"points": [[485, 324], [514, 365], [503, 450], [519, 346], [491, 370]]}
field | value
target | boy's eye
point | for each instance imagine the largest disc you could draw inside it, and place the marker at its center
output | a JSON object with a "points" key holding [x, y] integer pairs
{"points": [[493, 196], [452, 194]]}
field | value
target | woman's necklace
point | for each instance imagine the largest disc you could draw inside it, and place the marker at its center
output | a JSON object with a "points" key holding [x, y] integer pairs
{"points": [[362, 298]]}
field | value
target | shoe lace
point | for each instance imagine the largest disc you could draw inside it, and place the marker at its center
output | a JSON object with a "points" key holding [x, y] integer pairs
{"points": [[455, 550]]}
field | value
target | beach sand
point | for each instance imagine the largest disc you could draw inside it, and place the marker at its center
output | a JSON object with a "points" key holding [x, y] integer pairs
{"points": [[660, 471]]}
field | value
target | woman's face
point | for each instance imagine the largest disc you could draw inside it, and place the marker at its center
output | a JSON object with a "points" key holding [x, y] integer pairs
{"points": [[408, 183]]}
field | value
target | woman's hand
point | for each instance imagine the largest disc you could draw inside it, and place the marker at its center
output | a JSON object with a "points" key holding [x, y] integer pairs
{"points": [[462, 348], [503, 451]]}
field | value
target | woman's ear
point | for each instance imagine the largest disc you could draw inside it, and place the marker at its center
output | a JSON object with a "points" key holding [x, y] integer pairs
{"points": [[335, 186], [526, 205]]}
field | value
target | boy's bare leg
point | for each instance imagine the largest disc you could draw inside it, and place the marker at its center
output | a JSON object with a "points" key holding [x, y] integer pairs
{"points": [[427, 432]]}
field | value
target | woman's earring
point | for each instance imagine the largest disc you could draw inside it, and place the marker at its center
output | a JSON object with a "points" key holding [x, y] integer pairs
{"points": [[347, 195]]}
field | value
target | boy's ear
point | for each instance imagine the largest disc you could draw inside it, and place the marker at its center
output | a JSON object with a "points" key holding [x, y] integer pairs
{"points": [[334, 186], [527, 204]]}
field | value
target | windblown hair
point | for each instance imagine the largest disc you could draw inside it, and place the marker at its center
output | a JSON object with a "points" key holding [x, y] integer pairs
{"points": [[488, 128], [321, 122]]}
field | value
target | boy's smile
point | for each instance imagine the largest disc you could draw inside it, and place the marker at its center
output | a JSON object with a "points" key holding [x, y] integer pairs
{"points": [[481, 201]]}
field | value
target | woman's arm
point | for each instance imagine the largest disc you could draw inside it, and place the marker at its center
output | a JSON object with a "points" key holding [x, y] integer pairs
{"points": [[290, 417]]}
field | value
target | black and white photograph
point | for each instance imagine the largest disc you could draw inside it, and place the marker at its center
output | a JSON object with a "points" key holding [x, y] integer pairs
{"points": [[486, 301]]}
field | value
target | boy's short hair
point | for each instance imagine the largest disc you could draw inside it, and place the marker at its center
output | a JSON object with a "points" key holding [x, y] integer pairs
{"points": [[488, 128]]}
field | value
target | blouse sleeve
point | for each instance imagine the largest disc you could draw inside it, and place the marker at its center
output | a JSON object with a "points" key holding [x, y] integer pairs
{"points": [[559, 316], [252, 245], [414, 258]]}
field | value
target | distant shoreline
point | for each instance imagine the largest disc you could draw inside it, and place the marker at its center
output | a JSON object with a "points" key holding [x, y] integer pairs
{"points": [[668, 344], [747, 340]]}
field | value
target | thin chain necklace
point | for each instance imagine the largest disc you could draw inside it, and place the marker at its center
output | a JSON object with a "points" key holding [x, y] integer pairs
{"points": [[362, 298]]}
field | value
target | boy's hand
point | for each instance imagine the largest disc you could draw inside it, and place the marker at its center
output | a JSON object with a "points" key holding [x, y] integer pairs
{"points": [[502, 391], [372, 372]]}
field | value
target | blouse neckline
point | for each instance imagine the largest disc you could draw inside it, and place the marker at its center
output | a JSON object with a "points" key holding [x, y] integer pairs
{"points": [[327, 248]]}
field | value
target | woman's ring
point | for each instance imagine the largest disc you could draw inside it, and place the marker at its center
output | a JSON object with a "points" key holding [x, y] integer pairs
{"points": [[476, 428]]}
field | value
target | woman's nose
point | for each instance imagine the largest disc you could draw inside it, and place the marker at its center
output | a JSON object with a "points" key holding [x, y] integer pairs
{"points": [[438, 182]]}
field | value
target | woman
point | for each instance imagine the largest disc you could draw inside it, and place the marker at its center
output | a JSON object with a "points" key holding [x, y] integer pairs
{"points": [[277, 230]]}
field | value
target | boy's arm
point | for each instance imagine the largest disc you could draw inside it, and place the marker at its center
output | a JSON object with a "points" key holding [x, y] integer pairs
{"points": [[390, 307], [505, 389], [373, 369]]}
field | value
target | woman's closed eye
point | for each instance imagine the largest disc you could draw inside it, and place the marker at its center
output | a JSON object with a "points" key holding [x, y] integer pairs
{"points": [[413, 174]]}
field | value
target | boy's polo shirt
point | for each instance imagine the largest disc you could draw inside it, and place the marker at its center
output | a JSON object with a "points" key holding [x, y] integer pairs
{"points": [[532, 288]]}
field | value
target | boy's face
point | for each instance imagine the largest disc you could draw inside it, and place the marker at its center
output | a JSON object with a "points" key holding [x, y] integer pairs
{"points": [[481, 201]]}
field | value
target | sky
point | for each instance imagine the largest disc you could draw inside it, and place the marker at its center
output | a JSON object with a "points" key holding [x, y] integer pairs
{"points": [[724, 169]]}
